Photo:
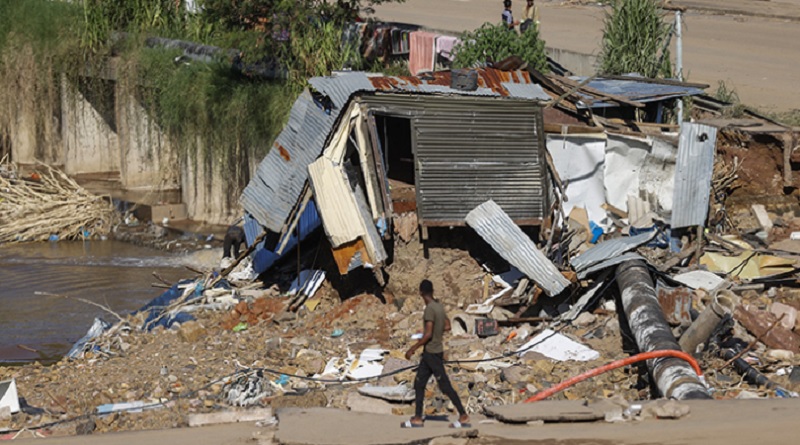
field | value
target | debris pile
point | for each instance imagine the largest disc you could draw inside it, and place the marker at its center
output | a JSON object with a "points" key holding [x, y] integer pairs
{"points": [[48, 205]]}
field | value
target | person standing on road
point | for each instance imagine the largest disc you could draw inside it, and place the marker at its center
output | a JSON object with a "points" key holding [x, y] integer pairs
{"points": [[508, 16], [432, 363], [531, 15]]}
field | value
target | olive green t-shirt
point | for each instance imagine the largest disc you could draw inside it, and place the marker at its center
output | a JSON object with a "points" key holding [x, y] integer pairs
{"points": [[434, 312]]}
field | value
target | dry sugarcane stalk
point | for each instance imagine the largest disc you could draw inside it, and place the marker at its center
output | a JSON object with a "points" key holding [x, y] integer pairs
{"points": [[50, 203]]}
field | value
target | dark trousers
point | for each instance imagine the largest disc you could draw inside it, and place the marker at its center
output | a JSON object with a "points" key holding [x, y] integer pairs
{"points": [[233, 239], [433, 364]]}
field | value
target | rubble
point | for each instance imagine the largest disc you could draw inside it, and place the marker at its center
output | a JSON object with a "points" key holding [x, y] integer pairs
{"points": [[637, 266]]}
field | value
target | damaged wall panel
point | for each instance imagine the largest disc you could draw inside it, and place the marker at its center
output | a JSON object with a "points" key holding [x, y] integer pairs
{"points": [[497, 228], [471, 149], [693, 174], [580, 161]]}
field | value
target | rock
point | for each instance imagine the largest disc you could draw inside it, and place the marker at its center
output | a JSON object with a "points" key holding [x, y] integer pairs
{"points": [[584, 319], [300, 341], [359, 403], [85, 428], [285, 316], [746, 395], [191, 331], [665, 409], [794, 376], [515, 375], [392, 364], [780, 355], [5, 413], [172, 378]]}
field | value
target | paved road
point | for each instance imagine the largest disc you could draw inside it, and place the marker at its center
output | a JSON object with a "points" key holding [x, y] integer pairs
{"points": [[759, 56], [726, 422]]}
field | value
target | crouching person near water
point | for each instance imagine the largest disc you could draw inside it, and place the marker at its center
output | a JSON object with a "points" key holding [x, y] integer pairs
{"points": [[234, 238], [432, 362]]}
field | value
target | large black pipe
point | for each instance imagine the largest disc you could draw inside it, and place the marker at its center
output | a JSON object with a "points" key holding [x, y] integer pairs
{"points": [[673, 377]]}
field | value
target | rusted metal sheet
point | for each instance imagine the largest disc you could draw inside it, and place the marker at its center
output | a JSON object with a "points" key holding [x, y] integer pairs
{"points": [[758, 322], [676, 303], [693, 173], [508, 240], [349, 254]]}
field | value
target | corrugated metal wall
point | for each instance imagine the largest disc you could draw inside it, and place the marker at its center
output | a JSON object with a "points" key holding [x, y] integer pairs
{"points": [[472, 149]]}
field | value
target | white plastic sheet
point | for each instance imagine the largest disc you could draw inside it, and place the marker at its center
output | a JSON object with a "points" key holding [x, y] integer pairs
{"points": [[580, 162], [558, 347]]}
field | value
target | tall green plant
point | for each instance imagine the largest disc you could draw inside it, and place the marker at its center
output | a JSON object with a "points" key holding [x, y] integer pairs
{"points": [[635, 40], [496, 42]]}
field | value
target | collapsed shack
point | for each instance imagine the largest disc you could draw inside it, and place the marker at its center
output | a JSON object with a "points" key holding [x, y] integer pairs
{"points": [[434, 146]]}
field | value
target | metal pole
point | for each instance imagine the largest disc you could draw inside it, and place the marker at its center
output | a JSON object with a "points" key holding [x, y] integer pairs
{"points": [[679, 59], [674, 378]]}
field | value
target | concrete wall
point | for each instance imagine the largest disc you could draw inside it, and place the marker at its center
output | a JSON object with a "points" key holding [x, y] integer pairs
{"points": [[580, 64], [208, 192], [148, 161], [91, 145], [34, 134]]}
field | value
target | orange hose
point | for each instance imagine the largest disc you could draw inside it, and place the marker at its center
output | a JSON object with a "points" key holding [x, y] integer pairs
{"points": [[541, 395]]}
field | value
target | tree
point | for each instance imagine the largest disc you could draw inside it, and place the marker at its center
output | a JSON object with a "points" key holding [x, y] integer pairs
{"points": [[496, 42], [635, 40]]}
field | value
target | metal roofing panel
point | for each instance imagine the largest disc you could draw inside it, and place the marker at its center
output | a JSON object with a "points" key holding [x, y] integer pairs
{"points": [[630, 256], [526, 91], [279, 179], [609, 249], [650, 91], [497, 228], [693, 174]]}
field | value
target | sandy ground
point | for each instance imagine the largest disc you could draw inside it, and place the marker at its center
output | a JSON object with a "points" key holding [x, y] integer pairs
{"points": [[759, 56], [709, 423]]}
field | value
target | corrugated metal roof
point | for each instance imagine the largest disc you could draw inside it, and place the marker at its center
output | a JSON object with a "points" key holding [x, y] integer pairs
{"points": [[693, 173], [610, 249], [649, 91], [279, 179], [497, 228], [630, 256]]}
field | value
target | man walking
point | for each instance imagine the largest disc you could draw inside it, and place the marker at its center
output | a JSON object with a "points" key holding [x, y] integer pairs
{"points": [[432, 362]]}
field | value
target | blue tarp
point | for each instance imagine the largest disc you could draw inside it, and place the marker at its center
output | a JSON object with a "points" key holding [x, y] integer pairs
{"points": [[156, 307], [263, 258]]}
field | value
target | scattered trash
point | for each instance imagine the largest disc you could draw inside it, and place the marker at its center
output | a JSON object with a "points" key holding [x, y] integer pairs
{"points": [[8, 396], [242, 326], [558, 347]]}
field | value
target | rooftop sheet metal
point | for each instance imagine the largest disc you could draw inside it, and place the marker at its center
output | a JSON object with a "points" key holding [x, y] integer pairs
{"points": [[630, 256], [279, 179], [610, 249], [497, 228], [649, 91], [693, 173]]}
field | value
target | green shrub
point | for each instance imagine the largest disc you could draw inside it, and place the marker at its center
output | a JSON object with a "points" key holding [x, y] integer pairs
{"points": [[634, 40], [496, 42]]}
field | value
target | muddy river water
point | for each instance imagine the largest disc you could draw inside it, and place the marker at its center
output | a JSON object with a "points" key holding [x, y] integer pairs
{"points": [[115, 274]]}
